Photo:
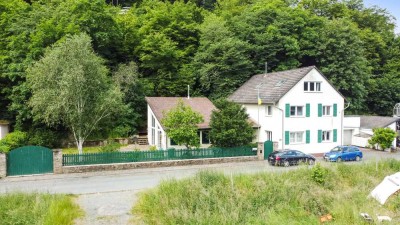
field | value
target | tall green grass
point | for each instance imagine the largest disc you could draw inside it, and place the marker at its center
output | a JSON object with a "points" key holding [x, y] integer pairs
{"points": [[31, 209], [294, 197]]}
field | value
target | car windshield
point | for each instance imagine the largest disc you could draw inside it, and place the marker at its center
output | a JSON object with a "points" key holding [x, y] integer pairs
{"points": [[339, 148], [336, 149]]}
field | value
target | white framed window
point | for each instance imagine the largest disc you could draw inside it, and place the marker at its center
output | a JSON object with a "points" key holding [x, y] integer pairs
{"points": [[269, 135], [327, 110], [326, 135], [268, 110], [153, 130], [296, 111], [312, 86], [296, 137]]}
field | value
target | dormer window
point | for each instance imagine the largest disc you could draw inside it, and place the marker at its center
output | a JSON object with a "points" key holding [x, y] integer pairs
{"points": [[312, 86]]}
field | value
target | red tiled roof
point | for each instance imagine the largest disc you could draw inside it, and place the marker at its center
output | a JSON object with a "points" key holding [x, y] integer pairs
{"points": [[199, 104]]}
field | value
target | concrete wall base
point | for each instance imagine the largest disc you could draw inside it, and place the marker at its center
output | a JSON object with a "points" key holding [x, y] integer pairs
{"points": [[136, 165], [3, 165]]}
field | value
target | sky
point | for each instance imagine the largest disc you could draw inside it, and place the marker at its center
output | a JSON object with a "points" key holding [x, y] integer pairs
{"points": [[393, 6]]}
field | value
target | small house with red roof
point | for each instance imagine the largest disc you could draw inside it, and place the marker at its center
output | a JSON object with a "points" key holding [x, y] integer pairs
{"points": [[158, 106]]}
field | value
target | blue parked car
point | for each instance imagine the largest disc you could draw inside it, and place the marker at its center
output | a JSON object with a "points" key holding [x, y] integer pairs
{"points": [[343, 153]]}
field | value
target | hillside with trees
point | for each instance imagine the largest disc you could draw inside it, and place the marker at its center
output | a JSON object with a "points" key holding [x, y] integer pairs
{"points": [[157, 48]]}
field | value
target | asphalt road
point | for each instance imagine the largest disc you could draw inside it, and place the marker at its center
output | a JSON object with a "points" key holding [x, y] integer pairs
{"points": [[108, 196]]}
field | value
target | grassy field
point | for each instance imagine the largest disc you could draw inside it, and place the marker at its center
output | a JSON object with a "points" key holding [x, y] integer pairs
{"points": [[294, 197], [35, 209], [85, 150]]}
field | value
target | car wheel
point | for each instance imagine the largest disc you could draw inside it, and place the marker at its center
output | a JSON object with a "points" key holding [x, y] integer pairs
{"points": [[286, 164], [358, 158], [339, 159], [311, 162]]}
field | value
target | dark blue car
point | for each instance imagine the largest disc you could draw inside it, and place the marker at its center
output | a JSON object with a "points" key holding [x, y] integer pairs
{"points": [[343, 153]]}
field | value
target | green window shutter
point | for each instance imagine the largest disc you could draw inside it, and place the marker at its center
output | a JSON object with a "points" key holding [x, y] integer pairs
{"points": [[319, 136], [334, 135], [307, 136], [335, 109], [287, 110], [308, 110], [287, 136], [319, 110]]}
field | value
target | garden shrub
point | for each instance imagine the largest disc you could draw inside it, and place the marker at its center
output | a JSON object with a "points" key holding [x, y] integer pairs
{"points": [[13, 140], [111, 146], [44, 137]]}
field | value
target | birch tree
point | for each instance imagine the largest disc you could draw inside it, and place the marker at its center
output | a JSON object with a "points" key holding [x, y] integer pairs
{"points": [[70, 86]]}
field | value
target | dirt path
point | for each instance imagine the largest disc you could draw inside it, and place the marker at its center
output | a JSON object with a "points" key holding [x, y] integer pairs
{"points": [[107, 208]]}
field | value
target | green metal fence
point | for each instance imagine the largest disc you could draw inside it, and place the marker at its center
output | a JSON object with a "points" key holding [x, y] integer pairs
{"points": [[159, 155]]}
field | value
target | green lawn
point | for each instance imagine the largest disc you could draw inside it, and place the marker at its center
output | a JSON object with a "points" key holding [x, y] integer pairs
{"points": [[43, 209], [85, 150], [294, 197]]}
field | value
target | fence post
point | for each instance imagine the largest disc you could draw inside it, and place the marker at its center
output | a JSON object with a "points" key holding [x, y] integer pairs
{"points": [[3, 165], [260, 150], [57, 161]]}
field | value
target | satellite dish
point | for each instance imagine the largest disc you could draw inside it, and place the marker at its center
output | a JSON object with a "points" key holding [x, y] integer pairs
{"points": [[396, 110]]}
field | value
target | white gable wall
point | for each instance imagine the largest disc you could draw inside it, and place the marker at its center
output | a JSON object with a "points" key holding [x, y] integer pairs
{"points": [[159, 140], [298, 97], [3, 130]]}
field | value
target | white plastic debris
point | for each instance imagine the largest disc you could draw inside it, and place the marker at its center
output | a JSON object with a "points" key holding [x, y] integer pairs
{"points": [[384, 218], [366, 217], [386, 188]]}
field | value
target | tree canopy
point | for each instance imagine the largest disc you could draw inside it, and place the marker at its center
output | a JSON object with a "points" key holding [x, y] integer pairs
{"points": [[181, 125], [212, 45], [230, 125], [69, 86]]}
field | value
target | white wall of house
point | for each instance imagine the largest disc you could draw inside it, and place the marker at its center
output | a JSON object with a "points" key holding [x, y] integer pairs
{"points": [[3, 130], [155, 133], [314, 124], [353, 124]]}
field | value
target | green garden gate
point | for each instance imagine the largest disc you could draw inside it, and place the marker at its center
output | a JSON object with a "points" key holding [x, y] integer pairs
{"points": [[29, 160], [268, 148]]}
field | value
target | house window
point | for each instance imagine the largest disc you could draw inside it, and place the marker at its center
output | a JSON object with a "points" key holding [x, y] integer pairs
{"points": [[296, 110], [172, 142], [205, 137], [296, 137], [326, 135], [312, 86], [269, 135], [326, 110], [268, 110], [153, 130]]}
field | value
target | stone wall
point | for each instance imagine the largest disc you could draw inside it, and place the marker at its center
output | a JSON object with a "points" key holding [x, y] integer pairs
{"points": [[57, 161], [135, 165], [3, 165]]}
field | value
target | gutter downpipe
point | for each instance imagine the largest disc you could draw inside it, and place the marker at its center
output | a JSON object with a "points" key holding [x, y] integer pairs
{"points": [[283, 129], [342, 128]]}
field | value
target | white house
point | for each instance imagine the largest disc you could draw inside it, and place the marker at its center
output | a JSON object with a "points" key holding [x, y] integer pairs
{"points": [[3, 128], [300, 109], [358, 129], [156, 106]]}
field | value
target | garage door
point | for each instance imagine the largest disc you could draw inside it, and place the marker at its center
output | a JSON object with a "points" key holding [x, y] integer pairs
{"points": [[347, 136]]}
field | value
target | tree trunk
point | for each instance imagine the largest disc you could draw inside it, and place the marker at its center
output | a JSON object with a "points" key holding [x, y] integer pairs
{"points": [[80, 144]]}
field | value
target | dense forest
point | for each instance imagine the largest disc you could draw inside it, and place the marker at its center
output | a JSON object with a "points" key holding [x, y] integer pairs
{"points": [[212, 45]]}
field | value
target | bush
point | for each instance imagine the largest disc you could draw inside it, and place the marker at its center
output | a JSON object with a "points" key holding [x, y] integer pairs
{"points": [[152, 148], [111, 146], [44, 137], [383, 137], [13, 140], [319, 174]]}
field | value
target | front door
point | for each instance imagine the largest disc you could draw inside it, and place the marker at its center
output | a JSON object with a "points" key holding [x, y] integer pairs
{"points": [[268, 148]]}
